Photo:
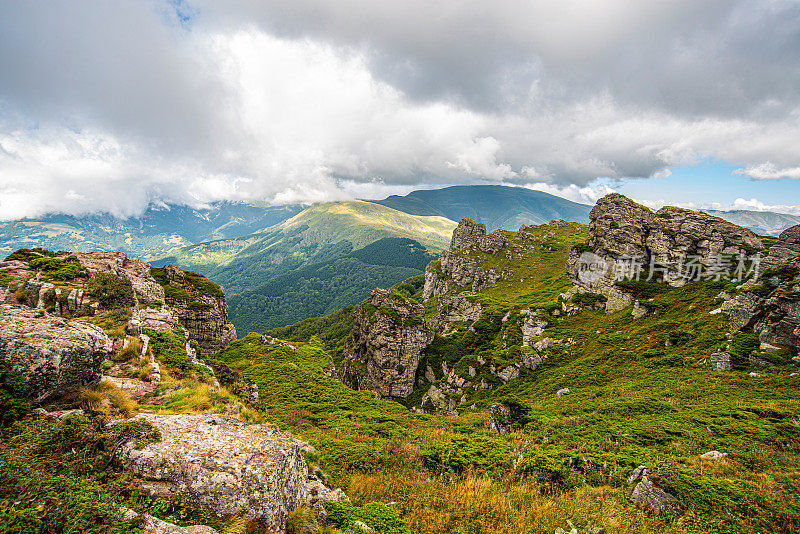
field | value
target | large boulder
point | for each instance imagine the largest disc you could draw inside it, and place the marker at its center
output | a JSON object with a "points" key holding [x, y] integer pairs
{"points": [[224, 467], [625, 234], [647, 494], [54, 355], [770, 305], [388, 342]]}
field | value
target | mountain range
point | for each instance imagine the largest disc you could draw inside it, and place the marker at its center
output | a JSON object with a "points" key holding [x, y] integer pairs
{"points": [[281, 264], [496, 206]]}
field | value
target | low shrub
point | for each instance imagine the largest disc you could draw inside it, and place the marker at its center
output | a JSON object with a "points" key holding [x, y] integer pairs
{"points": [[112, 291]]}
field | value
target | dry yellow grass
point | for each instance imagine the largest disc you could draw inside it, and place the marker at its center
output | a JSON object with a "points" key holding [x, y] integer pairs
{"points": [[474, 503]]}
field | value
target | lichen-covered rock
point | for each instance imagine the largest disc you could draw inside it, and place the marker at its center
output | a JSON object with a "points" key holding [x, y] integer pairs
{"points": [[454, 267], [648, 495], [388, 342], [500, 419], [621, 229], [204, 315], [54, 355], [154, 525], [771, 304], [720, 361], [466, 234], [118, 263], [222, 466]]}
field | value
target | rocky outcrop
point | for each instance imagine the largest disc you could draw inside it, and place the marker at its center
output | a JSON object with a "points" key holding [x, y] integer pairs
{"points": [[388, 342], [771, 304], [720, 361], [458, 272], [466, 234], [224, 467], [204, 315], [54, 355], [648, 495], [621, 230], [154, 525], [118, 263], [177, 300], [500, 419]]}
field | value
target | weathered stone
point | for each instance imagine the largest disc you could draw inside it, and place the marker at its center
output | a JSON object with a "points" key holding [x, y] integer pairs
{"points": [[222, 466], [466, 234], [639, 310], [500, 419], [649, 496], [388, 342], [54, 355], [442, 403], [621, 229], [713, 455], [720, 361], [153, 525], [205, 317], [774, 314], [755, 361]]}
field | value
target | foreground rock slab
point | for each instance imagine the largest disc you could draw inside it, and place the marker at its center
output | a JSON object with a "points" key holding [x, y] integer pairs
{"points": [[224, 466], [54, 355]]}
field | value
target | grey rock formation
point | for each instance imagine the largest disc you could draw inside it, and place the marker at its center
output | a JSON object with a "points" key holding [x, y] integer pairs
{"points": [[466, 234], [205, 317], [224, 467], [771, 305], [648, 495], [500, 419], [153, 525], [720, 361], [621, 229], [54, 355], [388, 342], [456, 267]]}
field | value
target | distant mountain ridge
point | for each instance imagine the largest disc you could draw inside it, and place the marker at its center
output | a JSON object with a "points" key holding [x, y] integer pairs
{"points": [[496, 206], [760, 222], [149, 236]]}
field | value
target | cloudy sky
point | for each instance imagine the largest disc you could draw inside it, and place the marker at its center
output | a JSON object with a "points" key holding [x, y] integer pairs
{"points": [[110, 106]]}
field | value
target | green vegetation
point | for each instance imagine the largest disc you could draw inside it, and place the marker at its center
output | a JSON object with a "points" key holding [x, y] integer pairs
{"points": [[322, 288], [380, 517], [112, 291], [169, 348]]}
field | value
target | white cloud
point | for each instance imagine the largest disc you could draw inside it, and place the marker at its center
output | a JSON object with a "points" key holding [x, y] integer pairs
{"points": [[114, 106], [768, 171], [756, 205]]}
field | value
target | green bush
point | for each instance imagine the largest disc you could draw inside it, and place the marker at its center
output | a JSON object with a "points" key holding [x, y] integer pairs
{"points": [[380, 517], [112, 291], [13, 404], [467, 452]]}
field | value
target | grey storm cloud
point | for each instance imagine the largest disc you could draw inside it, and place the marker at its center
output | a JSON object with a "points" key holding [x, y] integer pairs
{"points": [[114, 105]]}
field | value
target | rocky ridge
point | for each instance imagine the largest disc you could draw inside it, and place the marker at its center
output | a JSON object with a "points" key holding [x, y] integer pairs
{"points": [[388, 342], [179, 300], [621, 229], [770, 305]]}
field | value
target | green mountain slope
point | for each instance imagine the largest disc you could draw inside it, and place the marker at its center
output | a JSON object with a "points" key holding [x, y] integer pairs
{"points": [[761, 222], [324, 287], [641, 392], [317, 261], [496, 206], [150, 236]]}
